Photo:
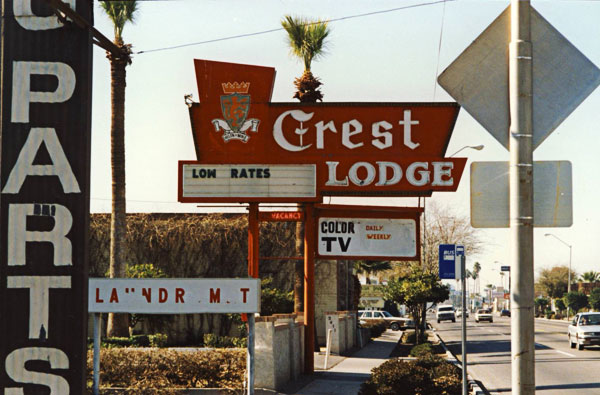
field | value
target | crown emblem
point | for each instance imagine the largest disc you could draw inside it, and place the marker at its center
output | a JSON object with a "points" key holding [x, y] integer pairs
{"points": [[235, 105], [236, 87]]}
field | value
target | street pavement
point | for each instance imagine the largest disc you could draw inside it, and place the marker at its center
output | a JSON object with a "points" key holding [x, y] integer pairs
{"points": [[344, 375], [559, 369]]}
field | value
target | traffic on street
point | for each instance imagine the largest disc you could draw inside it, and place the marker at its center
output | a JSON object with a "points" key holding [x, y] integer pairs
{"points": [[558, 367]]}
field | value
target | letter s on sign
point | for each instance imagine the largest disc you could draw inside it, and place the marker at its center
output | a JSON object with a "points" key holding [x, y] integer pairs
{"points": [[15, 369], [299, 116]]}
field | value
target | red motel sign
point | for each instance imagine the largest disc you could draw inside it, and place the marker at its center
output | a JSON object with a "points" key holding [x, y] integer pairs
{"points": [[367, 149]]}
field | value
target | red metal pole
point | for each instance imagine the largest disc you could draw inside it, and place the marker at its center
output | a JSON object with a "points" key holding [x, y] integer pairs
{"points": [[309, 289], [253, 240]]}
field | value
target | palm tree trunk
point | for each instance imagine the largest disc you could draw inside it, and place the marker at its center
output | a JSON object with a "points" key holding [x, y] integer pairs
{"points": [[118, 324]]}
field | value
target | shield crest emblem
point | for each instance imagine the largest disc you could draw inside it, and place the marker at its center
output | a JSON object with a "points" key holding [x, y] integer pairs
{"points": [[235, 110]]}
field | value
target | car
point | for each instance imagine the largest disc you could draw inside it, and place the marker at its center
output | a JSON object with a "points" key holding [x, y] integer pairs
{"points": [[584, 330], [445, 312], [459, 313], [484, 315], [505, 313], [394, 323]]}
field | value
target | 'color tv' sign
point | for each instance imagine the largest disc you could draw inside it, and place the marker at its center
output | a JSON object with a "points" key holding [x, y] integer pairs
{"points": [[389, 149], [44, 200]]}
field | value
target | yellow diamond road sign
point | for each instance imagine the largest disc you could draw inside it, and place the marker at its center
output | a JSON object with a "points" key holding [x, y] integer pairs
{"points": [[562, 78]]}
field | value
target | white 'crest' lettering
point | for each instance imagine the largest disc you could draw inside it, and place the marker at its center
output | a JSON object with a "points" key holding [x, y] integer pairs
{"points": [[297, 115]]}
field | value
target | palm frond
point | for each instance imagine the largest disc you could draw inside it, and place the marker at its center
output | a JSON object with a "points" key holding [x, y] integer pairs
{"points": [[306, 38], [120, 12]]}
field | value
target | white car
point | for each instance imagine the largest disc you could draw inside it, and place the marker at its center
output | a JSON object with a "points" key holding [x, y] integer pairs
{"points": [[459, 313], [394, 323], [584, 330], [484, 315], [445, 312]]}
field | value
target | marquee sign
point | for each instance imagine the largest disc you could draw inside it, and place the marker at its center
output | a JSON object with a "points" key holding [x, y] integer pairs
{"points": [[174, 296], [256, 181], [359, 232], [44, 200], [367, 149]]}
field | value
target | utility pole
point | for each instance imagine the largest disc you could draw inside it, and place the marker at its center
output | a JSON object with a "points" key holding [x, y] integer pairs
{"points": [[521, 198]]}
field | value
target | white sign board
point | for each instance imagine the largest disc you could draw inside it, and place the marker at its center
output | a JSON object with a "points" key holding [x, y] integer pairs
{"points": [[252, 181], [562, 78], [552, 188], [174, 296], [369, 237]]}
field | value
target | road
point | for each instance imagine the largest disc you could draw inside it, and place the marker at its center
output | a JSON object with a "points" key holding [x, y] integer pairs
{"points": [[558, 369]]}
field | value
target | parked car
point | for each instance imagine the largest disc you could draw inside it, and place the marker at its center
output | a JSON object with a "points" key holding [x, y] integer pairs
{"points": [[584, 330], [459, 313], [484, 315], [394, 323], [505, 313], [445, 312]]}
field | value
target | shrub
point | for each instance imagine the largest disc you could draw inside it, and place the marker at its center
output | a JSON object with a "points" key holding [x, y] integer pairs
{"points": [[377, 327], [274, 300], [158, 340], [430, 375], [421, 350], [410, 337], [141, 370], [549, 313], [213, 341]]}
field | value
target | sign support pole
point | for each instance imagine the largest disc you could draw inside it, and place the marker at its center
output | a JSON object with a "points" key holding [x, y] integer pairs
{"points": [[463, 319], [309, 289], [521, 198], [253, 232], [97, 331]]}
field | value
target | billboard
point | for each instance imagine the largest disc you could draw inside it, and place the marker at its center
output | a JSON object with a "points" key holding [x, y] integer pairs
{"points": [[174, 295], [44, 202], [368, 232], [366, 149]]}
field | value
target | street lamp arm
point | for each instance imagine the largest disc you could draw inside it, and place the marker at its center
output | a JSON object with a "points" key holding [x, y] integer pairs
{"points": [[475, 147], [557, 238]]}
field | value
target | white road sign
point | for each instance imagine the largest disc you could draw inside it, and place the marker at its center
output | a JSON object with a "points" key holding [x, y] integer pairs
{"points": [[369, 237], [174, 296], [552, 188], [562, 78]]}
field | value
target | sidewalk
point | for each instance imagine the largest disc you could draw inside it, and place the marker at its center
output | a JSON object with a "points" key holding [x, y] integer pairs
{"points": [[345, 374]]}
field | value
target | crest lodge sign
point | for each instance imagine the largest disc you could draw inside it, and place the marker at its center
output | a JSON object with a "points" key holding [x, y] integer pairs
{"points": [[366, 149]]}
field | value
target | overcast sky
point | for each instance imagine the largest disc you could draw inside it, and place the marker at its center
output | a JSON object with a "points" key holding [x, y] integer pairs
{"points": [[378, 51]]}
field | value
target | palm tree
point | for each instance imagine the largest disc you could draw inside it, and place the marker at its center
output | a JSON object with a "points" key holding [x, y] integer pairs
{"points": [[306, 39], [476, 270], [369, 267], [590, 277], [119, 12]]}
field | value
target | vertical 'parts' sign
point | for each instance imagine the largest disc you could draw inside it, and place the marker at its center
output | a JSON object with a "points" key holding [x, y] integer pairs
{"points": [[44, 200]]}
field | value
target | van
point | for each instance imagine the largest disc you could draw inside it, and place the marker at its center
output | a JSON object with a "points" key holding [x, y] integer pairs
{"points": [[445, 312]]}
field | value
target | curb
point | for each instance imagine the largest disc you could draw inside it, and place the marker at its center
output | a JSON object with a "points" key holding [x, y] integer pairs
{"points": [[475, 388]]}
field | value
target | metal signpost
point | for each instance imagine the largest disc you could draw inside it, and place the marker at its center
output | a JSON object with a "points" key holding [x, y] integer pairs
{"points": [[520, 100], [452, 266], [174, 296]]}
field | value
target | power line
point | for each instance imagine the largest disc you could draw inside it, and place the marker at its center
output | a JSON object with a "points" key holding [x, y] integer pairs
{"points": [[437, 66], [344, 18]]}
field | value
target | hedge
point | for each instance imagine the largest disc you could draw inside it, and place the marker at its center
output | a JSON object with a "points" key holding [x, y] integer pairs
{"points": [[144, 370], [377, 327], [427, 375]]}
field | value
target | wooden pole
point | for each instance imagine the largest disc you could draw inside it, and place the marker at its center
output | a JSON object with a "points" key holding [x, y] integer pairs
{"points": [[309, 289]]}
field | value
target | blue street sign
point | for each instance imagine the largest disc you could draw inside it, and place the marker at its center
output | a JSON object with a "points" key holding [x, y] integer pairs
{"points": [[447, 264], [460, 250], [505, 268]]}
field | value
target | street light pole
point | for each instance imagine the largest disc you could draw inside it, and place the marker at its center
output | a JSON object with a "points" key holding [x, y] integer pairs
{"points": [[570, 257]]}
